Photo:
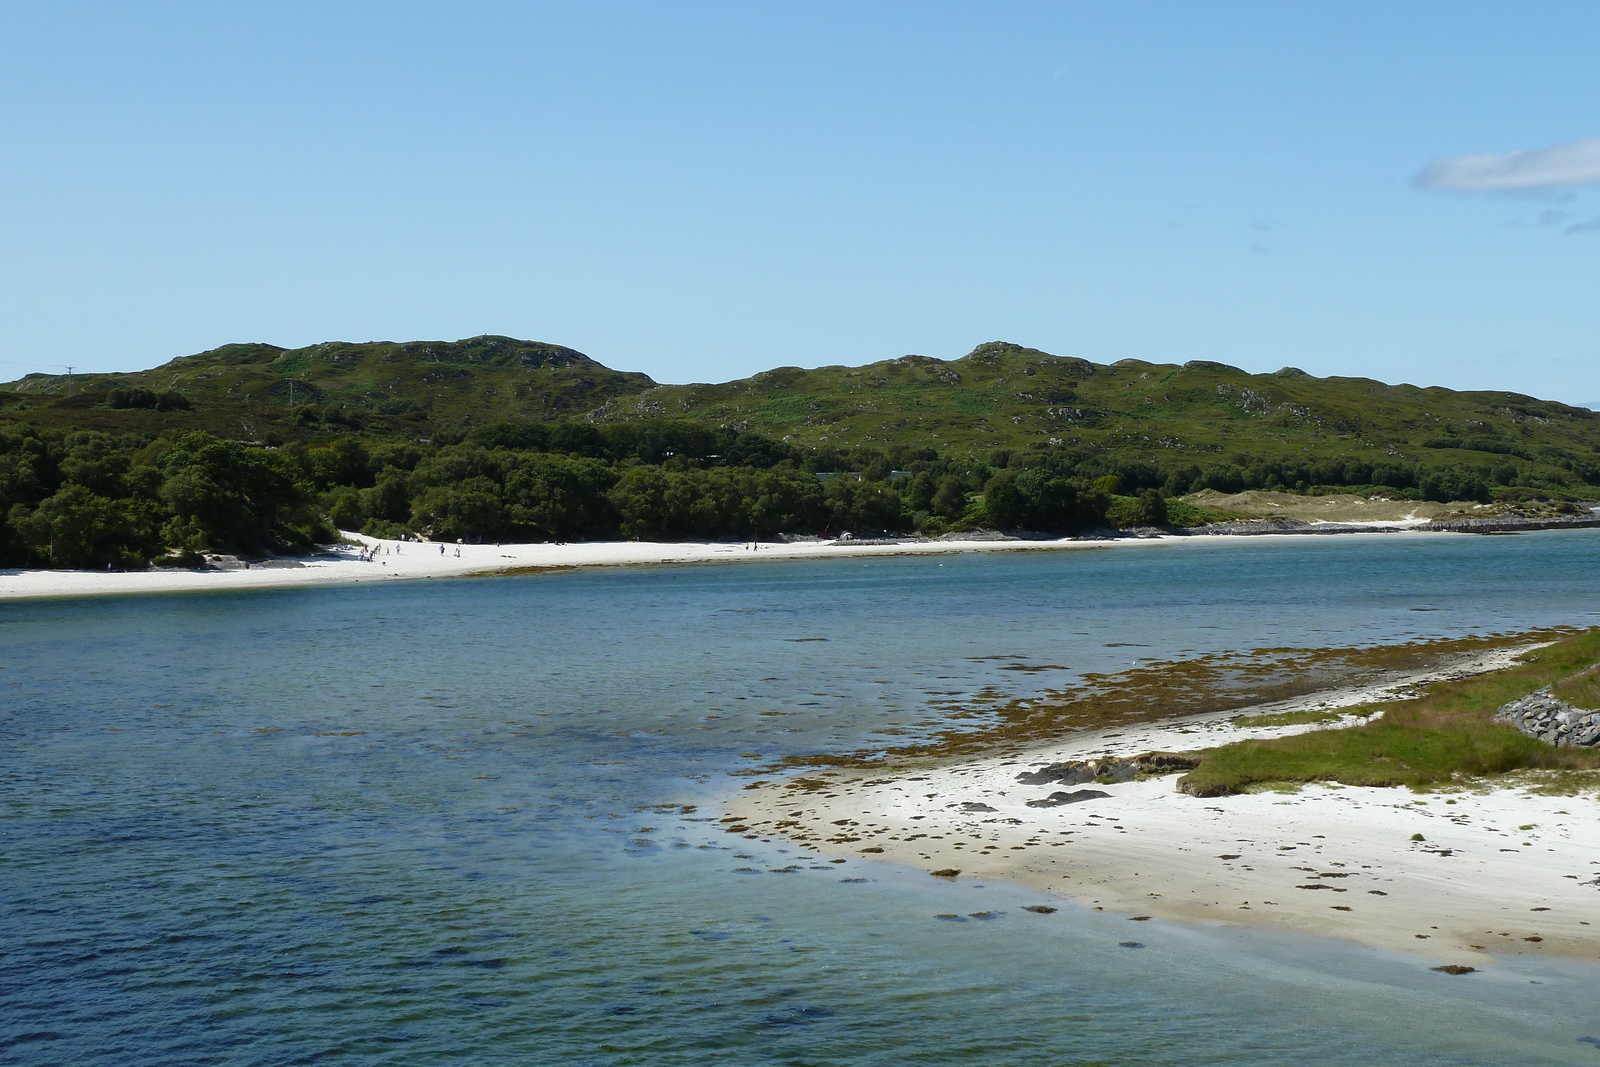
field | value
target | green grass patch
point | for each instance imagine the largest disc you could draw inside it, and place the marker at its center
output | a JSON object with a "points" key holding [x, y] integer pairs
{"points": [[1559, 783], [1183, 513], [1303, 718], [1438, 738], [1581, 690]]}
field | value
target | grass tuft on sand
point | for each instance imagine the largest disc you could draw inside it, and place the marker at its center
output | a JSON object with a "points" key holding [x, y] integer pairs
{"points": [[1442, 736]]}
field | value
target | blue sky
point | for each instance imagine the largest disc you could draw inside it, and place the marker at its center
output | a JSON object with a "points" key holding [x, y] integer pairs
{"points": [[701, 191]]}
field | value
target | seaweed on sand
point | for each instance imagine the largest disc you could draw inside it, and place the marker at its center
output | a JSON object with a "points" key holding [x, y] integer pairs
{"points": [[1152, 692]]}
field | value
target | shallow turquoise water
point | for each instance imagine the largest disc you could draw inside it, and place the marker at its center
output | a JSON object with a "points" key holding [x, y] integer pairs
{"points": [[438, 822]]}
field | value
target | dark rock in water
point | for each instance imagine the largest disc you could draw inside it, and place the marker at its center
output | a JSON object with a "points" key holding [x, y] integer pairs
{"points": [[951, 918], [980, 914], [1455, 968], [1077, 772], [1042, 909], [1139, 919], [1058, 798], [947, 872], [973, 805], [1131, 944]]}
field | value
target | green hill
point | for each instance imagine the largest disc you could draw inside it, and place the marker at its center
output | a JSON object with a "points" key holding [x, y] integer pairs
{"points": [[386, 388], [999, 396], [1009, 397], [257, 448]]}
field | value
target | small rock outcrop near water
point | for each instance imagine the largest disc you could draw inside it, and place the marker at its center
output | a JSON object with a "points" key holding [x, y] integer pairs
{"points": [[1513, 524], [1488, 525], [1541, 715], [1077, 772]]}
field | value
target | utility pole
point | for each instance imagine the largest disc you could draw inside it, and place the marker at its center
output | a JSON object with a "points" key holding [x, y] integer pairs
{"points": [[69, 381]]}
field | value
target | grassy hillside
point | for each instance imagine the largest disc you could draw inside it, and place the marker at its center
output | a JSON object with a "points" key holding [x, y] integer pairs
{"points": [[260, 391], [998, 397], [1005, 396]]}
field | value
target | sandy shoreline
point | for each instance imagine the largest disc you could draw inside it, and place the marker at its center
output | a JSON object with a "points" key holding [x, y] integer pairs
{"points": [[413, 560], [1499, 871]]}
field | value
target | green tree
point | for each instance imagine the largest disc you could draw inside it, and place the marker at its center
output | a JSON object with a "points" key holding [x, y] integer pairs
{"points": [[864, 507], [787, 501], [469, 508], [1006, 505], [78, 528], [920, 490], [1154, 507], [560, 498], [950, 501], [241, 498]]}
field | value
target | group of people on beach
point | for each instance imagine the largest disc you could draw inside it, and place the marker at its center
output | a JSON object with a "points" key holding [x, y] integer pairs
{"points": [[368, 553]]}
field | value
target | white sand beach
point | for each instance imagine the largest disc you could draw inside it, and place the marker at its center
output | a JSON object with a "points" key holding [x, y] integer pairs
{"points": [[1496, 872], [422, 560], [419, 560]]}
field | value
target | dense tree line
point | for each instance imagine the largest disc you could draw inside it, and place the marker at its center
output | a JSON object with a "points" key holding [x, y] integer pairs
{"points": [[91, 499], [88, 499]]}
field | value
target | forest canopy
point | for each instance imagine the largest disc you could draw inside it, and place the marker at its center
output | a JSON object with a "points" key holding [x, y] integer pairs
{"points": [[92, 499]]}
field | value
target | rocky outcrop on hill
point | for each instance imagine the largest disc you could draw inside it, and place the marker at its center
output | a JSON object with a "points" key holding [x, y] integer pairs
{"points": [[1541, 715]]}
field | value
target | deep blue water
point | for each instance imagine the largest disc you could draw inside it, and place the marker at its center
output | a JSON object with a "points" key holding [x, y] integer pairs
{"points": [[441, 822]]}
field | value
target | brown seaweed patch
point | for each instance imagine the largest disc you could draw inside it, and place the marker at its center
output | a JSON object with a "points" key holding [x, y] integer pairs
{"points": [[1155, 691]]}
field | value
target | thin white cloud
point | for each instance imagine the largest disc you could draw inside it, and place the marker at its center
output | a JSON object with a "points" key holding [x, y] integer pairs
{"points": [[1555, 167]]}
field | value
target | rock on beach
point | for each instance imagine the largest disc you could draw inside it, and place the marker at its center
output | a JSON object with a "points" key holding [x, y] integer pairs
{"points": [[1540, 715]]}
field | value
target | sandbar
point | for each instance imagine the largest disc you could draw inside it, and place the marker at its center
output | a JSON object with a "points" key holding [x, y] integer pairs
{"points": [[1496, 872]]}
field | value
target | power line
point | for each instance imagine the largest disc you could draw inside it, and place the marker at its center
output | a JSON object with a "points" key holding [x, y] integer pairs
{"points": [[13, 363]]}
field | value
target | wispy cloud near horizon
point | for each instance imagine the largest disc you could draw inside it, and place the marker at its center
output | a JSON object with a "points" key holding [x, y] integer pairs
{"points": [[1558, 166]]}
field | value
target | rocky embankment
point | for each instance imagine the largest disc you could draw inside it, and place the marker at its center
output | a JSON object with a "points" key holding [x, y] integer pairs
{"points": [[1513, 524], [1541, 715], [1493, 525]]}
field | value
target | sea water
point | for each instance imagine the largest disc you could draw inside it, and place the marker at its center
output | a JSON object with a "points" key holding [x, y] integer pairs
{"points": [[443, 822]]}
